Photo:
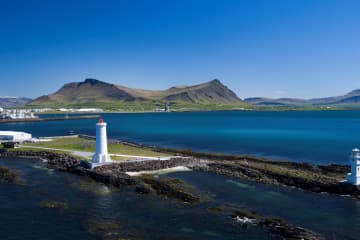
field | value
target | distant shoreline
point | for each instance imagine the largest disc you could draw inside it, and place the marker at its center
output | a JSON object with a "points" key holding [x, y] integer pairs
{"points": [[49, 119], [205, 110]]}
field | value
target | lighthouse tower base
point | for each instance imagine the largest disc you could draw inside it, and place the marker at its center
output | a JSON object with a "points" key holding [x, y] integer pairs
{"points": [[91, 165], [100, 160]]}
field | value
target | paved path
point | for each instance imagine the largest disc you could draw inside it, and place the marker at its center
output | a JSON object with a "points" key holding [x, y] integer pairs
{"points": [[90, 154], [77, 153]]}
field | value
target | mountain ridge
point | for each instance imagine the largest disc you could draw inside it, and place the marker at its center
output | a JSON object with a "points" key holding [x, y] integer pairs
{"points": [[93, 91], [351, 98], [8, 101]]}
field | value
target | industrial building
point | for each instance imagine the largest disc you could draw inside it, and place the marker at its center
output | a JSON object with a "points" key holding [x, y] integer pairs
{"points": [[12, 136]]}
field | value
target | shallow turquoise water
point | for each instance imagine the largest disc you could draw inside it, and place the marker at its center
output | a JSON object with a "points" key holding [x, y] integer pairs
{"points": [[313, 136]]}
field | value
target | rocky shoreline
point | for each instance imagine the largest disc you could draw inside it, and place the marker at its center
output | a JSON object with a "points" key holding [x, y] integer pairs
{"points": [[314, 180], [305, 176], [309, 177], [114, 174]]}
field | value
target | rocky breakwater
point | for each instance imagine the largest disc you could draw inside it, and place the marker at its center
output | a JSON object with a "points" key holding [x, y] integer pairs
{"points": [[150, 165], [114, 174], [329, 179], [59, 161]]}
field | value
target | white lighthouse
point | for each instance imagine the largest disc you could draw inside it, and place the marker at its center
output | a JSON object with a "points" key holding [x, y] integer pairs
{"points": [[354, 176], [101, 155]]}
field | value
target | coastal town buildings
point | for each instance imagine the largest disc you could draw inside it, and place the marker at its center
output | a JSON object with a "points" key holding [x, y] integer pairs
{"points": [[354, 176], [16, 113], [101, 155]]}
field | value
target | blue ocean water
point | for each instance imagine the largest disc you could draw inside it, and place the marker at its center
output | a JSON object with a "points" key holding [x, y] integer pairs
{"points": [[321, 137]]}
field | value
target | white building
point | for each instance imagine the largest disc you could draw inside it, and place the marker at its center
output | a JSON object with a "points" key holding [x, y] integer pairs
{"points": [[101, 155], [89, 110], [354, 176], [11, 136]]}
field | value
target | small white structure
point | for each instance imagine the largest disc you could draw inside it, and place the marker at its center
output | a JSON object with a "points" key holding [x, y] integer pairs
{"points": [[101, 155], [12, 136], [354, 176], [89, 110]]}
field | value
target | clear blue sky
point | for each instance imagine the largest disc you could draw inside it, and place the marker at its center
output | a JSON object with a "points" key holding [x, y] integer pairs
{"points": [[271, 48]]}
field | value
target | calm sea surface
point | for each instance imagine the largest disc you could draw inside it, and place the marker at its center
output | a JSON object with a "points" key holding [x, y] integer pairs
{"points": [[321, 137]]}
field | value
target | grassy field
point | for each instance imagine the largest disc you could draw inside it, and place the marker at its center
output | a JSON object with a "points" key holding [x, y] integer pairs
{"points": [[88, 145]]}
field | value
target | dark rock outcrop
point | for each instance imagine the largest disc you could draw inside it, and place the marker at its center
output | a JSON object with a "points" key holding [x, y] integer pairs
{"points": [[276, 226], [53, 204], [170, 189], [7, 175]]}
